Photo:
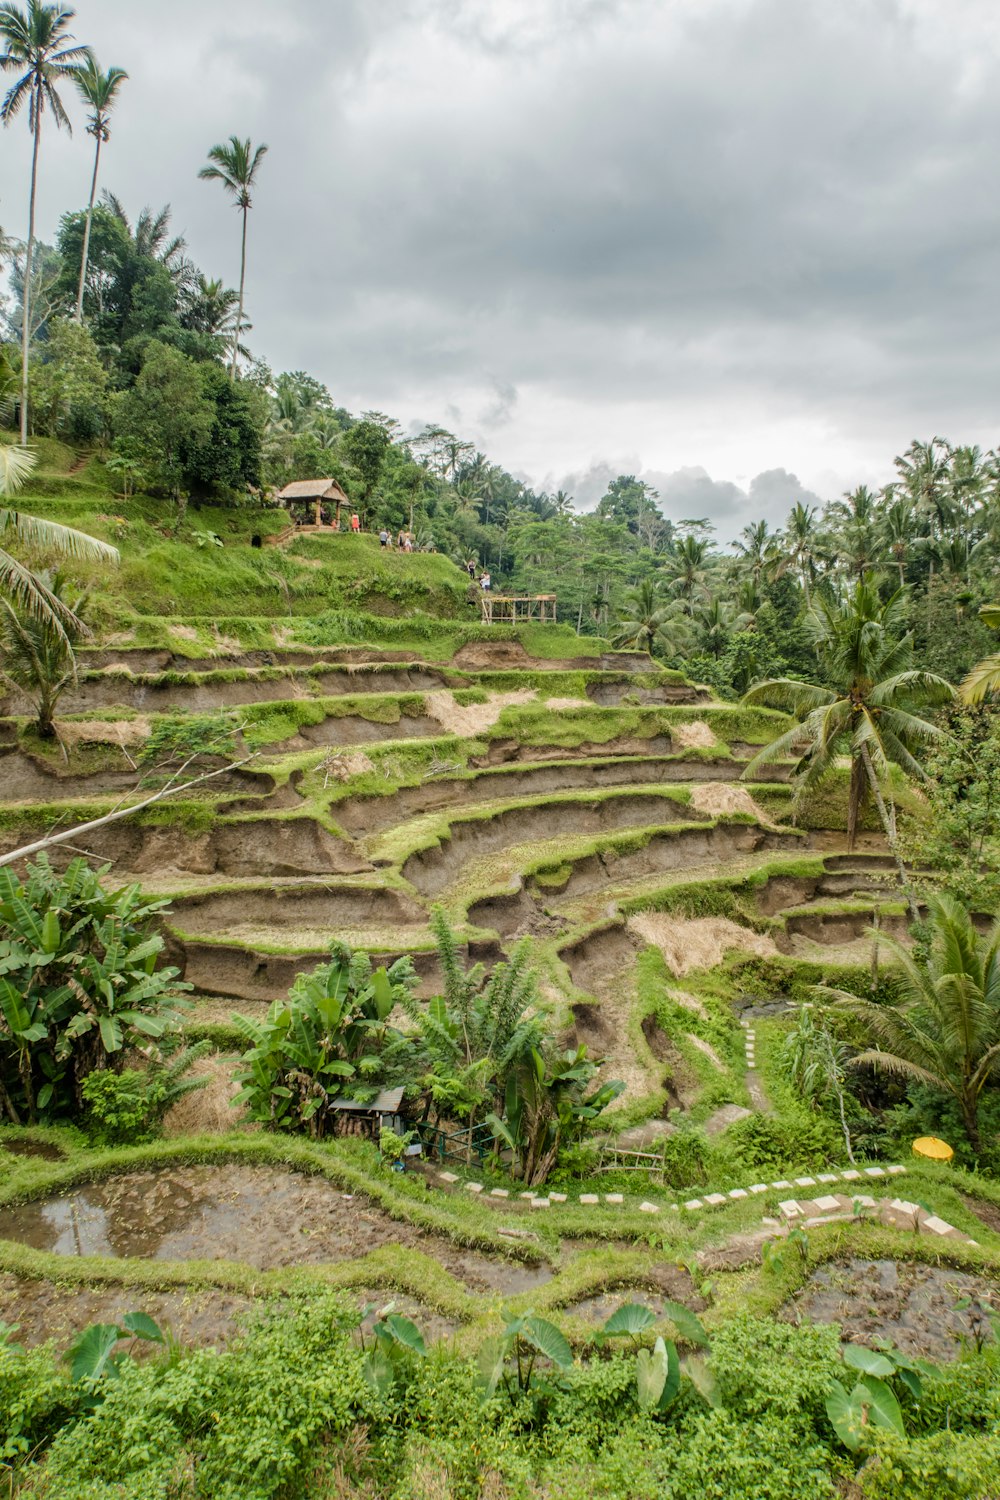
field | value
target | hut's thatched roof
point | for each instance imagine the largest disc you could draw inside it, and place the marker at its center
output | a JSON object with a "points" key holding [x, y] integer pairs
{"points": [[314, 489]]}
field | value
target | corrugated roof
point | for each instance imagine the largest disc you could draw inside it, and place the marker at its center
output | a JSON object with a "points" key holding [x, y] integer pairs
{"points": [[312, 489]]}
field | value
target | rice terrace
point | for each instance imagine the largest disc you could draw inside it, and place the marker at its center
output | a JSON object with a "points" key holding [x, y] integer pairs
{"points": [[499, 990]]}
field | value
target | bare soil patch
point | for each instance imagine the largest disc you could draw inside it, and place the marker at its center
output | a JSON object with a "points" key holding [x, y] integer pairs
{"points": [[912, 1305], [471, 719], [264, 1217], [689, 943], [567, 703]]}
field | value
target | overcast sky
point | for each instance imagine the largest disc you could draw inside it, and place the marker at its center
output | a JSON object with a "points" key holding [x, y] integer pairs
{"points": [[747, 248]]}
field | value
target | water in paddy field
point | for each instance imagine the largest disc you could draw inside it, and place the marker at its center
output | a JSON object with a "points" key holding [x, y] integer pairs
{"points": [[265, 1217]]}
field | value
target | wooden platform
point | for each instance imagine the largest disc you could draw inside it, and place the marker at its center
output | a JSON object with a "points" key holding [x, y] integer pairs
{"points": [[509, 609]]}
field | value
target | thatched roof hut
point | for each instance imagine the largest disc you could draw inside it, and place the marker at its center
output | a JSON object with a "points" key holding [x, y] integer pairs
{"points": [[315, 492]]}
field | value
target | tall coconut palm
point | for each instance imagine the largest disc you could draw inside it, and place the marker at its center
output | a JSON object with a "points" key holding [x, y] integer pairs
{"points": [[647, 622], [801, 543], [685, 567], [99, 91], [897, 531], [758, 552], [869, 710], [26, 588], [235, 164], [38, 47], [944, 1030]]}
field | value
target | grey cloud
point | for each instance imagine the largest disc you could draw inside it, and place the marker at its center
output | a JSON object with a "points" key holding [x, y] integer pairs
{"points": [[720, 214]]}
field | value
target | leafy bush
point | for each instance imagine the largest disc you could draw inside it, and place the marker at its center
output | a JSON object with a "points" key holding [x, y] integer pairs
{"points": [[79, 985], [126, 1108]]}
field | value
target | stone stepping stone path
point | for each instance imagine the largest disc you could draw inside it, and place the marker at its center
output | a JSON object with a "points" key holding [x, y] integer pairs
{"points": [[796, 1211]]}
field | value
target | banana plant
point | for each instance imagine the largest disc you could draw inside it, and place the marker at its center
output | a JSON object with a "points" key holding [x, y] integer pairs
{"points": [[547, 1106], [79, 984], [332, 1034]]}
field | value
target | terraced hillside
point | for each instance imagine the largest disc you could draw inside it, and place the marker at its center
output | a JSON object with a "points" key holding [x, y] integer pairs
{"points": [[586, 801], [595, 805]]}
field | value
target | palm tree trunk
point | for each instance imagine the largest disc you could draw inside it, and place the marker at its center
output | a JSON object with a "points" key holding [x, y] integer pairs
{"points": [[86, 232], [888, 825], [970, 1119], [28, 255], [239, 315]]}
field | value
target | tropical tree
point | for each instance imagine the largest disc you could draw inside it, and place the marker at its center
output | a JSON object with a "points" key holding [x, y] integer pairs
{"points": [[685, 566], [99, 91], [235, 164], [38, 47], [757, 547], [801, 543], [26, 588], [36, 654], [648, 622], [984, 680], [944, 1030], [865, 706], [897, 527]]}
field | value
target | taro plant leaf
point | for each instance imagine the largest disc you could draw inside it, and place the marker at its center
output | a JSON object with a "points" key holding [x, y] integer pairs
{"points": [[547, 1339], [672, 1384], [489, 1363], [867, 1361], [651, 1375], [847, 1415], [141, 1326], [703, 1379], [406, 1333], [912, 1381], [377, 1368], [91, 1355], [883, 1408], [687, 1324], [633, 1318]]}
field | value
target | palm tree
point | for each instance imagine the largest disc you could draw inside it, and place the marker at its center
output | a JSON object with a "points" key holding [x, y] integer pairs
{"points": [[984, 680], [801, 543], [716, 619], [758, 550], [897, 531], [26, 588], [685, 566], [99, 91], [944, 1031], [36, 41], [36, 654], [647, 621], [869, 710], [150, 235], [235, 165]]}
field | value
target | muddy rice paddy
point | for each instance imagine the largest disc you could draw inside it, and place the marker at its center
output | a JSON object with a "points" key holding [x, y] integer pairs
{"points": [[260, 1216], [909, 1304]]}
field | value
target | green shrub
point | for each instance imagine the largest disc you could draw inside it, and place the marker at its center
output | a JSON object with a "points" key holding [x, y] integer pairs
{"points": [[125, 1108]]}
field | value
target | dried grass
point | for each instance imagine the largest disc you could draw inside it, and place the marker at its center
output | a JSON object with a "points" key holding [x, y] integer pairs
{"points": [[717, 798], [689, 943], [120, 732], [207, 1110], [693, 736], [470, 719], [706, 1050]]}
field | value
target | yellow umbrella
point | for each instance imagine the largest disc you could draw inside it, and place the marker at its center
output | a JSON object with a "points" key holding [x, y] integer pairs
{"points": [[929, 1147]]}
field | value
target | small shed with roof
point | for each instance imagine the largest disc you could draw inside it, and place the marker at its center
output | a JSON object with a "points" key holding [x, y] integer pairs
{"points": [[317, 495]]}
